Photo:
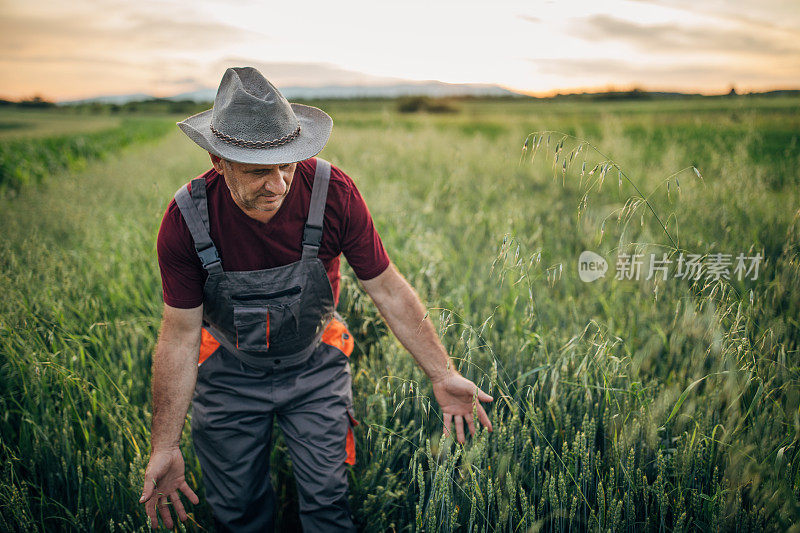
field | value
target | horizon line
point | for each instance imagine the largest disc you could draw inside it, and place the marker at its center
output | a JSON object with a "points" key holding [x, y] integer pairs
{"points": [[551, 93]]}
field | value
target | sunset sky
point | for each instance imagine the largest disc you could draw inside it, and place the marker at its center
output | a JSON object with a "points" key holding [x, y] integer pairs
{"points": [[83, 48]]}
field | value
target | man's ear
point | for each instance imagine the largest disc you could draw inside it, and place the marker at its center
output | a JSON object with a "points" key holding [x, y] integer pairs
{"points": [[217, 162]]}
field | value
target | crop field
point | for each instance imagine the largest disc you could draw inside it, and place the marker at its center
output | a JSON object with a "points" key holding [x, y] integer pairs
{"points": [[45, 123], [620, 404], [29, 154]]}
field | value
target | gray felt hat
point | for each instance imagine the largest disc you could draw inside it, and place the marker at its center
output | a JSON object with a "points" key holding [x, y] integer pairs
{"points": [[251, 122]]}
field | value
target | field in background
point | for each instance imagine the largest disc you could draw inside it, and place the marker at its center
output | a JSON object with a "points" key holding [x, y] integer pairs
{"points": [[16, 123], [29, 154], [619, 404]]}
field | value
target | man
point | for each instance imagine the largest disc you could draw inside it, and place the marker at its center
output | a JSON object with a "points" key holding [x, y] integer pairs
{"points": [[249, 258]]}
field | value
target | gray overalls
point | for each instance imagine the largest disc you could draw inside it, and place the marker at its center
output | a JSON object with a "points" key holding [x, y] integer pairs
{"points": [[272, 345]]}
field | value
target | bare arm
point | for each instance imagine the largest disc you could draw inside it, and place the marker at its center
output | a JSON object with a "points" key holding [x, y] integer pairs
{"points": [[174, 375], [406, 316]]}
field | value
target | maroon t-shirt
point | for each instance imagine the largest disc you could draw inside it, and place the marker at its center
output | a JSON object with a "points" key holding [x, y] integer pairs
{"points": [[247, 244]]}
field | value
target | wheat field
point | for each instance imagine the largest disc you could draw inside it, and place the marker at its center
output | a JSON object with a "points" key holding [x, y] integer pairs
{"points": [[619, 404]]}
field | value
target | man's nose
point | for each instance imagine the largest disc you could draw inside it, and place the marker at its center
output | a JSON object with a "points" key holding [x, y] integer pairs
{"points": [[274, 184]]}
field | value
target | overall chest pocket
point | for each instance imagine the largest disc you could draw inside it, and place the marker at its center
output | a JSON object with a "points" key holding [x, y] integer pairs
{"points": [[262, 320]]}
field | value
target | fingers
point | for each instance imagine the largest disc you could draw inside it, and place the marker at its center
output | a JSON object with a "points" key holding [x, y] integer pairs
{"points": [[178, 505], [147, 490], [150, 509], [159, 501], [448, 419], [163, 510], [459, 421], [482, 396], [189, 493], [471, 425], [483, 418]]}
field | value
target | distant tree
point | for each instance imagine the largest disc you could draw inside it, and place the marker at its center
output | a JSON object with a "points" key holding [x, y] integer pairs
{"points": [[36, 102], [180, 106], [440, 105], [417, 104], [411, 104], [637, 93]]}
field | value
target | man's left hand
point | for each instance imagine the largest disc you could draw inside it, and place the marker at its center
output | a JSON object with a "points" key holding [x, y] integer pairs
{"points": [[456, 396]]}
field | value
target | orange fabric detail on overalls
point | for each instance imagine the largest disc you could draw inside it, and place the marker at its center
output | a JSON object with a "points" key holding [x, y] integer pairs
{"points": [[336, 335], [350, 444], [208, 345]]}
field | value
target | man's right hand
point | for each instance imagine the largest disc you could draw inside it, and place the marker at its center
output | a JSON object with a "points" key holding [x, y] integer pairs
{"points": [[163, 479]]}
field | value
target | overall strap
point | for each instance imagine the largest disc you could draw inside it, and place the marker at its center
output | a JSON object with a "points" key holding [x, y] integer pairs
{"points": [[194, 209], [312, 232], [200, 201]]}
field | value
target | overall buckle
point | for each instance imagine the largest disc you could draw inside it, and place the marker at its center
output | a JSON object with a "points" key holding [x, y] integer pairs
{"points": [[209, 256], [312, 235]]}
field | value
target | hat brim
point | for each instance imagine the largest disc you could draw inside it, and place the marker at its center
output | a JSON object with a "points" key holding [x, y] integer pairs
{"points": [[315, 130]]}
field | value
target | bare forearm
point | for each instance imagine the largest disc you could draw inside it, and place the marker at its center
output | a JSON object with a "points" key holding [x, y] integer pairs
{"points": [[406, 317], [174, 377]]}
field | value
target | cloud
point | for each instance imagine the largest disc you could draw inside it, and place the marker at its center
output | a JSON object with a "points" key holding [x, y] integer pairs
{"points": [[600, 71], [110, 48], [158, 32], [37, 35], [64, 58], [194, 82], [303, 74], [669, 38], [754, 15]]}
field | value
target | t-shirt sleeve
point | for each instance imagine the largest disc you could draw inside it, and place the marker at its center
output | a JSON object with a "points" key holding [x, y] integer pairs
{"points": [[182, 275], [361, 245]]}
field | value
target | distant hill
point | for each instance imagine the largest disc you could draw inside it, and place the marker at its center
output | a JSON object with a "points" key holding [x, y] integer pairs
{"points": [[118, 99], [435, 89], [781, 92], [639, 94]]}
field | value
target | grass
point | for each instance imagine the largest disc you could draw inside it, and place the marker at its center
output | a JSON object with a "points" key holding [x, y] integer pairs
{"points": [[26, 160], [619, 404], [33, 123]]}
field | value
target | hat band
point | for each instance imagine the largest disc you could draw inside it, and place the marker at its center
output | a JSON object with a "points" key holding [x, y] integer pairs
{"points": [[256, 144]]}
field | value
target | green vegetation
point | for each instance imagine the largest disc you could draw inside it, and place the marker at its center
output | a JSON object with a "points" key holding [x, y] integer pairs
{"points": [[28, 156], [16, 123], [417, 104], [619, 404]]}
